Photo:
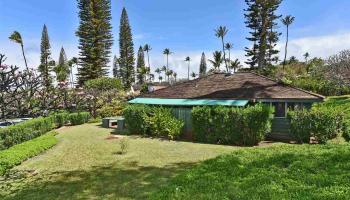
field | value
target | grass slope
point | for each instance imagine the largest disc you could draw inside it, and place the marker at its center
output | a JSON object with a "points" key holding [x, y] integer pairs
{"points": [[279, 172], [21, 152], [86, 165]]}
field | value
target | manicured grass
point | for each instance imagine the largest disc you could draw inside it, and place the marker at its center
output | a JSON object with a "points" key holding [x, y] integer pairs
{"points": [[20, 152], [86, 165], [279, 172]]}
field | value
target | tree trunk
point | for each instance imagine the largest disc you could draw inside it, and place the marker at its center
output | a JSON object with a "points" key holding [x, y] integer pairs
{"points": [[24, 56], [188, 70], [286, 48], [223, 50]]}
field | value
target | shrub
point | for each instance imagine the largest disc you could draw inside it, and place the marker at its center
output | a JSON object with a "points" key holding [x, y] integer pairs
{"points": [[79, 118], [25, 131], [226, 125], [162, 123], [113, 109], [61, 119], [124, 145], [135, 116], [21, 152], [156, 121], [323, 123]]}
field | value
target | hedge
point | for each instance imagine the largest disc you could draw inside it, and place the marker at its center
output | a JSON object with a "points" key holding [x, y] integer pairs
{"points": [[152, 121], [234, 126], [33, 128], [79, 118], [21, 152], [25, 131], [321, 123]]}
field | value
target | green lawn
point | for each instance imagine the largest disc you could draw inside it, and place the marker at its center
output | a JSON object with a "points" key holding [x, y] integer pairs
{"points": [[279, 172], [86, 165]]}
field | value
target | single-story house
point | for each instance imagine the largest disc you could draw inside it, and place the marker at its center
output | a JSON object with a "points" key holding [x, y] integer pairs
{"points": [[239, 89]]}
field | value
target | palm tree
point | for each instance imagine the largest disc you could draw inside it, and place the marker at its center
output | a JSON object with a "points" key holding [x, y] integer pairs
{"points": [[175, 76], [217, 60], [228, 47], [158, 71], [306, 56], [73, 61], [167, 52], [221, 33], [235, 64], [287, 21], [168, 74], [164, 69], [188, 59], [147, 48], [193, 74], [17, 38]]}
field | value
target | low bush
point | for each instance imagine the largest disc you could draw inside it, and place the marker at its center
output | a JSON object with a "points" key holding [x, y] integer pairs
{"points": [[113, 109], [135, 116], [163, 123], [322, 123], [79, 118], [25, 131], [21, 152], [61, 119], [226, 125], [155, 121]]}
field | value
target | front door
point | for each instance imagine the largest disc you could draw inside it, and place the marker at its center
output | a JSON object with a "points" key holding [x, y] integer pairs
{"points": [[280, 109]]}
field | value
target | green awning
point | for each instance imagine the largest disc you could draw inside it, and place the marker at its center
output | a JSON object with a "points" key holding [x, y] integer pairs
{"points": [[188, 102]]}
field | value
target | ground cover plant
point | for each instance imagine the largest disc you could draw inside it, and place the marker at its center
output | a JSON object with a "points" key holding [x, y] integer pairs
{"points": [[21, 152], [278, 172]]}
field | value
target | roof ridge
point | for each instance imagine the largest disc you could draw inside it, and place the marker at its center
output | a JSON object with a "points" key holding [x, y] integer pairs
{"points": [[306, 91]]}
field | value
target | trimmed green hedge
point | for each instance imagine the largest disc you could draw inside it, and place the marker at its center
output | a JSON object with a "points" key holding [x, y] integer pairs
{"points": [[25, 131], [61, 119], [33, 128], [79, 118], [153, 121], [227, 125], [21, 152], [323, 123]]}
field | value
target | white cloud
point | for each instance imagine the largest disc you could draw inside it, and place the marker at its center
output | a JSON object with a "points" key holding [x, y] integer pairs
{"points": [[321, 46]]}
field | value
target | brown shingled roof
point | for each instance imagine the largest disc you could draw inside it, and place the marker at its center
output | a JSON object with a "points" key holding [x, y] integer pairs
{"points": [[243, 85]]}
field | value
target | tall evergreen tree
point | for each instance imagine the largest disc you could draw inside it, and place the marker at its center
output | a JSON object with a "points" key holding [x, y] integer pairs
{"points": [[116, 67], [62, 69], [95, 38], [203, 66], [140, 65], [45, 66], [261, 18], [126, 48]]}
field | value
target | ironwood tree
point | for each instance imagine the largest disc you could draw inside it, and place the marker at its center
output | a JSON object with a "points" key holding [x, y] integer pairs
{"points": [[95, 39], [46, 63], [203, 66], [126, 50], [261, 19], [140, 66], [62, 69]]}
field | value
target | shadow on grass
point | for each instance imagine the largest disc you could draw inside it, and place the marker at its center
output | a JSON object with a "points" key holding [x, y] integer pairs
{"points": [[114, 182]]}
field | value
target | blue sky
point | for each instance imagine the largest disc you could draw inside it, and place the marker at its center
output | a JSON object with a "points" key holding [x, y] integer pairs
{"points": [[184, 26]]}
